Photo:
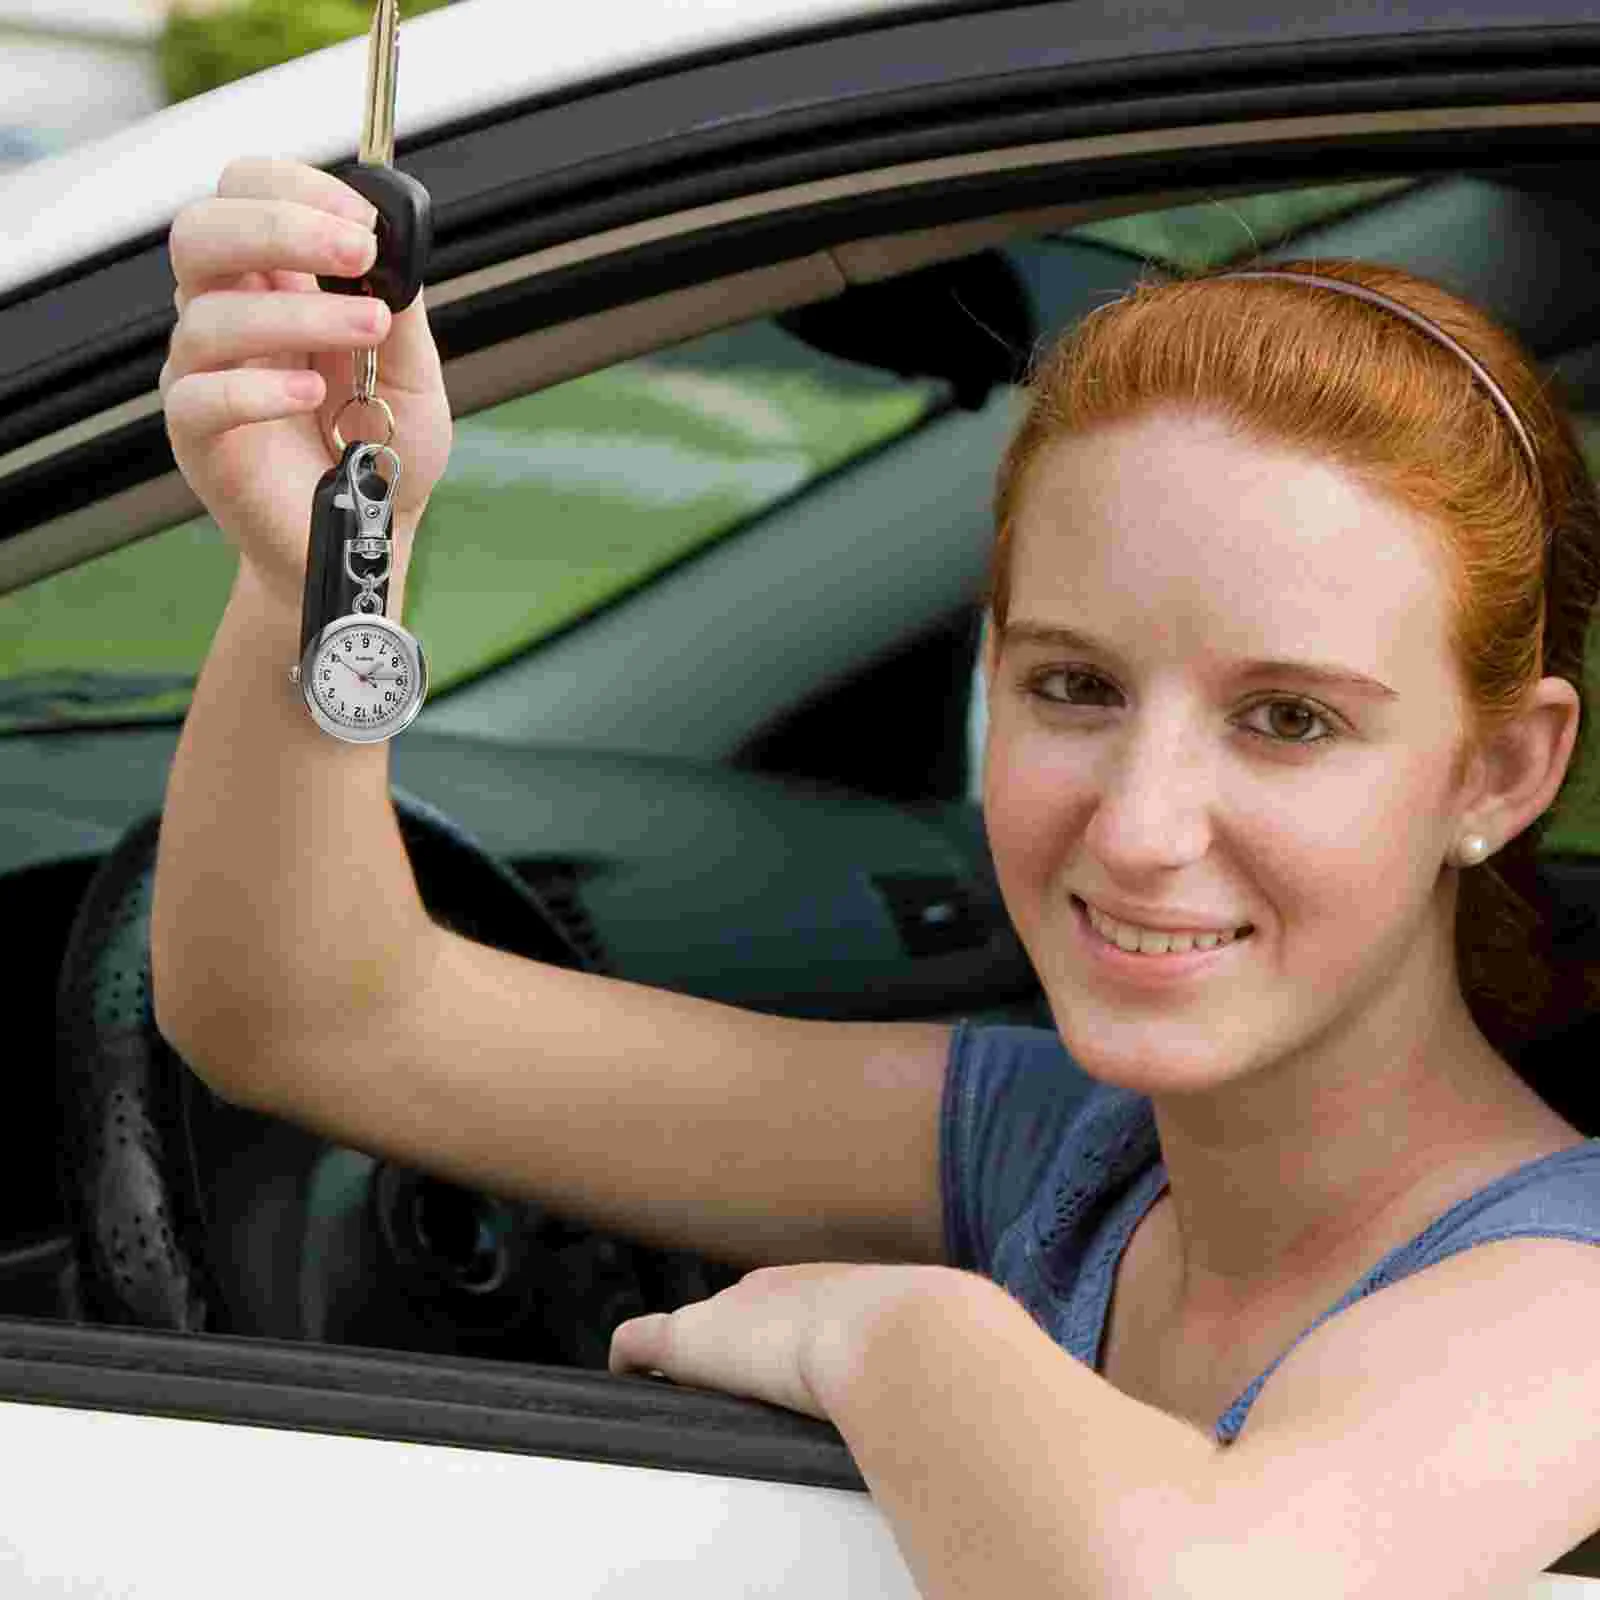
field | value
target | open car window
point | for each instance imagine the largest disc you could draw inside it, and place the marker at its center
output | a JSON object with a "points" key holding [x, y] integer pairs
{"points": [[560, 502]]}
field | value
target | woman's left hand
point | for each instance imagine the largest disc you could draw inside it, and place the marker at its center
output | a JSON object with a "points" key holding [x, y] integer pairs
{"points": [[792, 1336]]}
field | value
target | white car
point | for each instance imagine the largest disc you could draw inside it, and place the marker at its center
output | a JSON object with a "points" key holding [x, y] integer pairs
{"points": [[732, 299]]}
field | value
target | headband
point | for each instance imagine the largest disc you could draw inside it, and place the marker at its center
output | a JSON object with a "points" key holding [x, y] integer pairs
{"points": [[1422, 325]]}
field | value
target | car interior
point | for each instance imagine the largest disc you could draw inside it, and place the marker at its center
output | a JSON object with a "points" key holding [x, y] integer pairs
{"points": [[740, 758]]}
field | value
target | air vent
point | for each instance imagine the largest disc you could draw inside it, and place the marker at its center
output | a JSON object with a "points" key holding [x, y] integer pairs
{"points": [[935, 916], [557, 884]]}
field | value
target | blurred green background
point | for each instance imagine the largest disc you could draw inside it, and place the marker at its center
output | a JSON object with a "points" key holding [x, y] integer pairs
{"points": [[203, 49]]}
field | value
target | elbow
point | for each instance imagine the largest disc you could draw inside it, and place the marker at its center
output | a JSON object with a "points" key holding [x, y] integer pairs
{"points": [[206, 1050], [232, 1065], [219, 1041], [172, 1004]]}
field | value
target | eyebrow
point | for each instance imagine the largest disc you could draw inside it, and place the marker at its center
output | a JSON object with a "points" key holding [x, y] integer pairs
{"points": [[1310, 671]]}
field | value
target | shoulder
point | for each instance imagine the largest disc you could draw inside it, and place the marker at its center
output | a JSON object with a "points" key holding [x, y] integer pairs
{"points": [[1553, 1197], [1001, 1069], [1012, 1097], [1005, 1070], [1446, 1422], [1006, 1045]]}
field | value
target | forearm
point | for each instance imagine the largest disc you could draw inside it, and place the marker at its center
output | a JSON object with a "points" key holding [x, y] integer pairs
{"points": [[284, 899], [1005, 1466]]}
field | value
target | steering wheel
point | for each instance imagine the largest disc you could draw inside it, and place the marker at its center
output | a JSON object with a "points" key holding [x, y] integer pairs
{"points": [[196, 1215]]}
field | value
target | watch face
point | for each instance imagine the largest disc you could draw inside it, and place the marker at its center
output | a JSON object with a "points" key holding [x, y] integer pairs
{"points": [[364, 679]]}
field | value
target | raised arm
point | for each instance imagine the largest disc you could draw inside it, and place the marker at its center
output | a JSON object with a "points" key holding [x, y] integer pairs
{"points": [[295, 966]]}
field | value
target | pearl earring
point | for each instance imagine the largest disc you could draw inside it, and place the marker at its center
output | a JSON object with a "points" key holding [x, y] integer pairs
{"points": [[1472, 850]]}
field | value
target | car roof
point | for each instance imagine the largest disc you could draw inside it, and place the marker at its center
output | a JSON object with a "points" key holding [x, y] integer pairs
{"points": [[458, 63], [471, 60]]}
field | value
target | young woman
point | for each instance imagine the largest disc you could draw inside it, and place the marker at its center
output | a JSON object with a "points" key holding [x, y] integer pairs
{"points": [[1284, 670]]}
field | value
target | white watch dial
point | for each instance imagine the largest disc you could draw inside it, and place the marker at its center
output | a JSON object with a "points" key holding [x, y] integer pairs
{"points": [[364, 677]]}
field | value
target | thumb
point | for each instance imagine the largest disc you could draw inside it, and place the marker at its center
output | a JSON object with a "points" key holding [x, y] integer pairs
{"points": [[409, 356]]}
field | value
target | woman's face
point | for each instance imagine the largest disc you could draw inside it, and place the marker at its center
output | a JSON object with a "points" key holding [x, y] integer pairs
{"points": [[1224, 696]]}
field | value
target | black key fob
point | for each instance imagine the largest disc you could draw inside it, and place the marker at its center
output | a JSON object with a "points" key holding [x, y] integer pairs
{"points": [[405, 236], [332, 577]]}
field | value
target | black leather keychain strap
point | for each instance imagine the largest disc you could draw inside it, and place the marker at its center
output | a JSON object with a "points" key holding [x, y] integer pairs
{"points": [[330, 591]]}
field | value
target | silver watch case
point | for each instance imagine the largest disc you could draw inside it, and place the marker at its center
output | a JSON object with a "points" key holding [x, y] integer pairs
{"points": [[416, 660]]}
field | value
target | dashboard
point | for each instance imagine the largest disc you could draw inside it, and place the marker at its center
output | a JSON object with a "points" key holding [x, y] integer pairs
{"points": [[773, 893]]}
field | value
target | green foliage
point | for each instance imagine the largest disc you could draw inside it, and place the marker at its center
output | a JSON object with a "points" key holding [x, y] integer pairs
{"points": [[199, 51]]}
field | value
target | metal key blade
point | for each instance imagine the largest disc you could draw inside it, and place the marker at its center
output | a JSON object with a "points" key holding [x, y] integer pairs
{"points": [[383, 75]]}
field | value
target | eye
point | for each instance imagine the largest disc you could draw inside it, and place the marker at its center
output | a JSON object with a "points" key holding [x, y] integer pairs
{"points": [[1064, 686], [1299, 712], [1289, 718]]}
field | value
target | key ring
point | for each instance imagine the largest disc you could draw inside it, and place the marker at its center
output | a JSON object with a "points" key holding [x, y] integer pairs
{"points": [[362, 400]]}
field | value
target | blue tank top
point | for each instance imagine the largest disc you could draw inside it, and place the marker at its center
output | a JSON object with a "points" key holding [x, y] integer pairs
{"points": [[1045, 1174]]}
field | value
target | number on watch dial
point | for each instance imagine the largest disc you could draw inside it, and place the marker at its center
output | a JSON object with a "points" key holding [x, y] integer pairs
{"points": [[362, 676]]}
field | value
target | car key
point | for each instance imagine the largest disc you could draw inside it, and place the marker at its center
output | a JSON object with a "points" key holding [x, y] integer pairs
{"points": [[405, 213], [403, 227], [362, 676]]}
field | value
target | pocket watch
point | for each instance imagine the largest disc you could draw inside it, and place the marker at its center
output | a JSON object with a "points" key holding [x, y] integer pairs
{"points": [[363, 677]]}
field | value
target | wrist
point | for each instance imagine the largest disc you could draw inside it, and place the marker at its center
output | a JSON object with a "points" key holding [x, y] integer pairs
{"points": [[843, 1358], [263, 592], [280, 594]]}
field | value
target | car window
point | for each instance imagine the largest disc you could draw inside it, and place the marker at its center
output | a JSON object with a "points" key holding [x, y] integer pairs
{"points": [[554, 505], [586, 490], [1208, 233]]}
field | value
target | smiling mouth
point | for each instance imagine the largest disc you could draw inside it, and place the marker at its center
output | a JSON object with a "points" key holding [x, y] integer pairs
{"points": [[1151, 942]]}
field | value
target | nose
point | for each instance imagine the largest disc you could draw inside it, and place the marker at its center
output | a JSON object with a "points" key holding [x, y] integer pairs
{"points": [[1153, 805]]}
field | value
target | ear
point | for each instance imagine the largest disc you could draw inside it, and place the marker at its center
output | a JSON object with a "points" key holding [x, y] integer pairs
{"points": [[1520, 768]]}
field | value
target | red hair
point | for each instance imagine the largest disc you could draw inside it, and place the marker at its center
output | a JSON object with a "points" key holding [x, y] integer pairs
{"points": [[1334, 377]]}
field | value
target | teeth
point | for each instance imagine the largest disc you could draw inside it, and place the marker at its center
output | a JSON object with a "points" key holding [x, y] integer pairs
{"points": [[1146, 941]]}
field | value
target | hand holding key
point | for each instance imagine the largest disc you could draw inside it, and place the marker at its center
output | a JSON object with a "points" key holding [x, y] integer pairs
{"points": [[259, 364]]}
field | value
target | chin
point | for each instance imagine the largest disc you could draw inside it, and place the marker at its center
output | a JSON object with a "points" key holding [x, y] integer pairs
{"points": [[1157, 1074], [1150, 1054]]}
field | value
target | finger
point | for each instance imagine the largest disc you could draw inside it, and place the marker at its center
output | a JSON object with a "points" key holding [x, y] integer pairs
{"points": [[220, 239], [294, 282], [227, 329], [274, 282], [250, 283], [263, 178], [204, 404], [410, 358], [639, 1345]]}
